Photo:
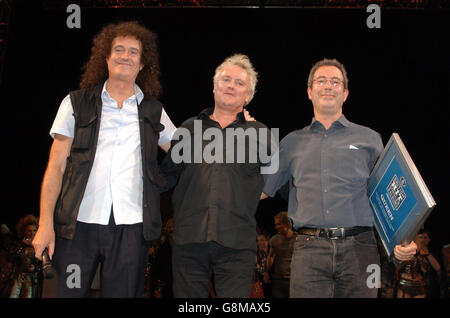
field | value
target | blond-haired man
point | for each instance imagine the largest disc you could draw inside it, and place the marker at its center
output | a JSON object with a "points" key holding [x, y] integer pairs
{"points": [[217, 194]]}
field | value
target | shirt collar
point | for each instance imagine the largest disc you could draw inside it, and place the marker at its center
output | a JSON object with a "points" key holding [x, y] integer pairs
{"points": [[342, 121], [205, 113], [208, 112], [137, 92]]}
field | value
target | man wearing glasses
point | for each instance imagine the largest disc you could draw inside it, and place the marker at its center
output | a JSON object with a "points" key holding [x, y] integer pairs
{"points": [[327, 165]]}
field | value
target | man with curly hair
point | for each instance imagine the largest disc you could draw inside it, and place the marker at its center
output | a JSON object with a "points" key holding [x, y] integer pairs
{"points": [[100, 192]]}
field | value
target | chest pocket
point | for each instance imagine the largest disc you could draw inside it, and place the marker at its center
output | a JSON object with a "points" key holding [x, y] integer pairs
{"points": [[85, 127], [350, 163]]}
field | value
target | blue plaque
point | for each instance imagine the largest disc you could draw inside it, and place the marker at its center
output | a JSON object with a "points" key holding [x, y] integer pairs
{"points": [[399, 197]]}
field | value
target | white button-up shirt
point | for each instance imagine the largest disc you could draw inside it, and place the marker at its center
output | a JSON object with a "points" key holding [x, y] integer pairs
{"points": [[116, 177]]}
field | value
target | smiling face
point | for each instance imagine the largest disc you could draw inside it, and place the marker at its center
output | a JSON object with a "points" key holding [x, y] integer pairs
{"points": [[232, 88], [327, 92], [124, 62], [262, 242], [281, 227], [278, 225]]}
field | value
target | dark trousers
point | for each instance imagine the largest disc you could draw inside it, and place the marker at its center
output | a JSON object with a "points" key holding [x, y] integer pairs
{"points": [[324, 268], [120, 250], [194, 264], [280, 287]]}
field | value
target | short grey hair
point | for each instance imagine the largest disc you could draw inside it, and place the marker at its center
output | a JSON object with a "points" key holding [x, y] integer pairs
{"points": [[328, 62], [242, 61]]}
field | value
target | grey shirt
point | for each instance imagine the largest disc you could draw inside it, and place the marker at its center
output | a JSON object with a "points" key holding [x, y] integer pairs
{"points": [[328, 172]]}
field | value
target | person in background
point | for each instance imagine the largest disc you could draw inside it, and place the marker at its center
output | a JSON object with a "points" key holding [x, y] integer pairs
{"points": [[419, 277], [261, 279], [8, 247], [280, 255], [446, 271], [27, 278]]}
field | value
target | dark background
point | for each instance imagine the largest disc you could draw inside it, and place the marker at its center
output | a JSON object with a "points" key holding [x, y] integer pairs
{"points": [[399, 81]]}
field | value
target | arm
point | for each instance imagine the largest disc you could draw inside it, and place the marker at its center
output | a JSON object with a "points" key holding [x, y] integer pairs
{"points": [[270, 259], [279, 172], [434, 263], [166, 135], [431, 259], [166, 167], [170, 169], [165, 147], [51, 187]]}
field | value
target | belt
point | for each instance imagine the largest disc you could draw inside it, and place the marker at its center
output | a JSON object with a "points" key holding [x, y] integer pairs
{"points": [[334, 233]]}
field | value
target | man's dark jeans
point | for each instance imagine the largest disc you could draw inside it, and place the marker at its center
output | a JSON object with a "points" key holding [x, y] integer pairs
{"points": [[325, 268]]}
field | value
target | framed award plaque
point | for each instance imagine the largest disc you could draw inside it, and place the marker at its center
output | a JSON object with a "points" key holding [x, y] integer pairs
{"points": [[400, 199]]}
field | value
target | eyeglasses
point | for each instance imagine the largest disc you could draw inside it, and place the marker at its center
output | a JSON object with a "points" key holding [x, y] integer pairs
{"points": [[322, 81]]}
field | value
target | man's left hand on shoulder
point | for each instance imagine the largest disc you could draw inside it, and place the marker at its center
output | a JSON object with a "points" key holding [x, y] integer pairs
{"points": [[247, 116], [405, 252]]}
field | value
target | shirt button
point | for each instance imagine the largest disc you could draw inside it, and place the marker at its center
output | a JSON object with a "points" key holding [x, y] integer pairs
{"points": [[328, 211], [325, 190]]}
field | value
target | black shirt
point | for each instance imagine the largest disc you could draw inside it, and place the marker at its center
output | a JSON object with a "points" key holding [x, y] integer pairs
{"points": [[216, 200]]}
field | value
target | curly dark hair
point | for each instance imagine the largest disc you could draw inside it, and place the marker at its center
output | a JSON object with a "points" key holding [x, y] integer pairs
{"points": [[95, 71]]}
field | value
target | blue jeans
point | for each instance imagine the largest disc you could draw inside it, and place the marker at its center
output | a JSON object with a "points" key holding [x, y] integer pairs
{"points": [[194, 264], [324, 268]]}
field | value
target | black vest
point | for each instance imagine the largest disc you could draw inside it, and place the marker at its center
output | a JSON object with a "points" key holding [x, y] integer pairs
{"points": [[87, 107]]}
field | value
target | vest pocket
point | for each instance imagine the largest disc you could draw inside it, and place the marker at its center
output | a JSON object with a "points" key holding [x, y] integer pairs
{"points": [[84, 131]]}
